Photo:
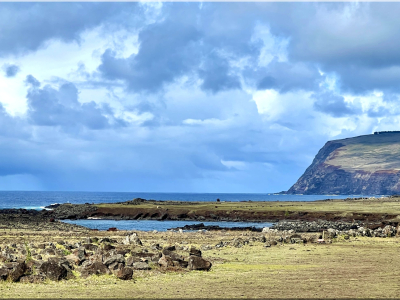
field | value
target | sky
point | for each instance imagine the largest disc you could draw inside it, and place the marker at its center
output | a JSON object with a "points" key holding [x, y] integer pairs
{"points": [[188, 97]]}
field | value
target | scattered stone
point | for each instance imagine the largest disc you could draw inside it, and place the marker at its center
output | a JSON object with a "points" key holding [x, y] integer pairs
{"points": [[170, 248], [155, 247], [198, 263], [141, 266], [132, 239], [194, 251], [238, 243], [90, 247], [108, 247], [17, 272], [124, 273], [3, 274], [113, 259], [165, 261], [53, 270], [97, 268]]}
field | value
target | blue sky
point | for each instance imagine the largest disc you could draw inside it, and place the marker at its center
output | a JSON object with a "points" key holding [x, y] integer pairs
{"points": [[188, 97]]}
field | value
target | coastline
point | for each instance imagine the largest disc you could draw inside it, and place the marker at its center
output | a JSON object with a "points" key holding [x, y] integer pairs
{"points": [[368, 212]]}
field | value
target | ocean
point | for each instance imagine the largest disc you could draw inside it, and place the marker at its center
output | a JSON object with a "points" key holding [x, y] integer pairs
{"points": [[38, 200]]}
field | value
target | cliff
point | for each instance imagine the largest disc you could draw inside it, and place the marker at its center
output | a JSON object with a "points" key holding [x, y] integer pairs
{"points": [[363, 165]]}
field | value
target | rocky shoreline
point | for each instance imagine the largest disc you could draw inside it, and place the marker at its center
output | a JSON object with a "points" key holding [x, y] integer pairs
{"points": [[158, 210], [33, 220], [201, 226]]}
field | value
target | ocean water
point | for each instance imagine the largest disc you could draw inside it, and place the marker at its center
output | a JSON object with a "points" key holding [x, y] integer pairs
{"points": [[37, 200], [150, 225]]}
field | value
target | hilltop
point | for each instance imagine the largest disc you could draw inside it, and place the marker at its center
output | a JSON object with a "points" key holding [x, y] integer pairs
{"points": [[364, 165]]}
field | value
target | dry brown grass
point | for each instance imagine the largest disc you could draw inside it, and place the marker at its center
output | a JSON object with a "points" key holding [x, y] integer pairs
{"points": [[360, 267], [371, 205]]}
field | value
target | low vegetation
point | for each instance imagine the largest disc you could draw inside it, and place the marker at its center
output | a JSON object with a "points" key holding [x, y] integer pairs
{"points": [[355, 267], [388, 205]]}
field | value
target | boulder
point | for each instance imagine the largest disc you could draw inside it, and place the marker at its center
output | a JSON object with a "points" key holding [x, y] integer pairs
{"points": [[172, 261], [96, 258], [80, 253], [108, 247], [17, 272], [165, 261], [141, 266], [238, 243], [194, 251], [178, 260], [97, 268], [332, 233], [170, 248], [124, 273], [53, 270], [107, 240], [155, 246], [130, 260], [72, 258], [389, 231], [3, 274], [90, 247], [115, 258], [265, 230], [198, 263], [123, 252], [115, 266], [132, 239], [220, 245]]}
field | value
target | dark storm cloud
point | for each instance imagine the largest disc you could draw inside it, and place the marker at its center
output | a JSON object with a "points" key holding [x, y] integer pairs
{"points": [[167, 51], [27, 26], [10, 70], [186, 42], [334, 105], [60, 107]]}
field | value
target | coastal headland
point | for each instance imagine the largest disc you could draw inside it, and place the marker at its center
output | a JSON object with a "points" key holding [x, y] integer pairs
{"points": [[361, 165]]}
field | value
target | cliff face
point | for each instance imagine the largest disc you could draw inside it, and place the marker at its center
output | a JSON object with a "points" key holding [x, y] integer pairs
{"points": [[364, 165]]}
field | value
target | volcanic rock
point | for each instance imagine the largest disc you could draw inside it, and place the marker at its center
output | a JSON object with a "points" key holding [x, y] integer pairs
{"points": [[198, 263]]}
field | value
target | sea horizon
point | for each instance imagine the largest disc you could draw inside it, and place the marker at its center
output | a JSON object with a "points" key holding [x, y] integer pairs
{"points": [[40, 199]]}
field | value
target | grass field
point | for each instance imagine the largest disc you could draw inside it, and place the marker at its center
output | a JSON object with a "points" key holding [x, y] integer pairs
{"points": [[359, 267], [370, 205]]}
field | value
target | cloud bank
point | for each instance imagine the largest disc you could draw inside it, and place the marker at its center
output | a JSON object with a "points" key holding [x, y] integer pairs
{"points": [[188, 97]]}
